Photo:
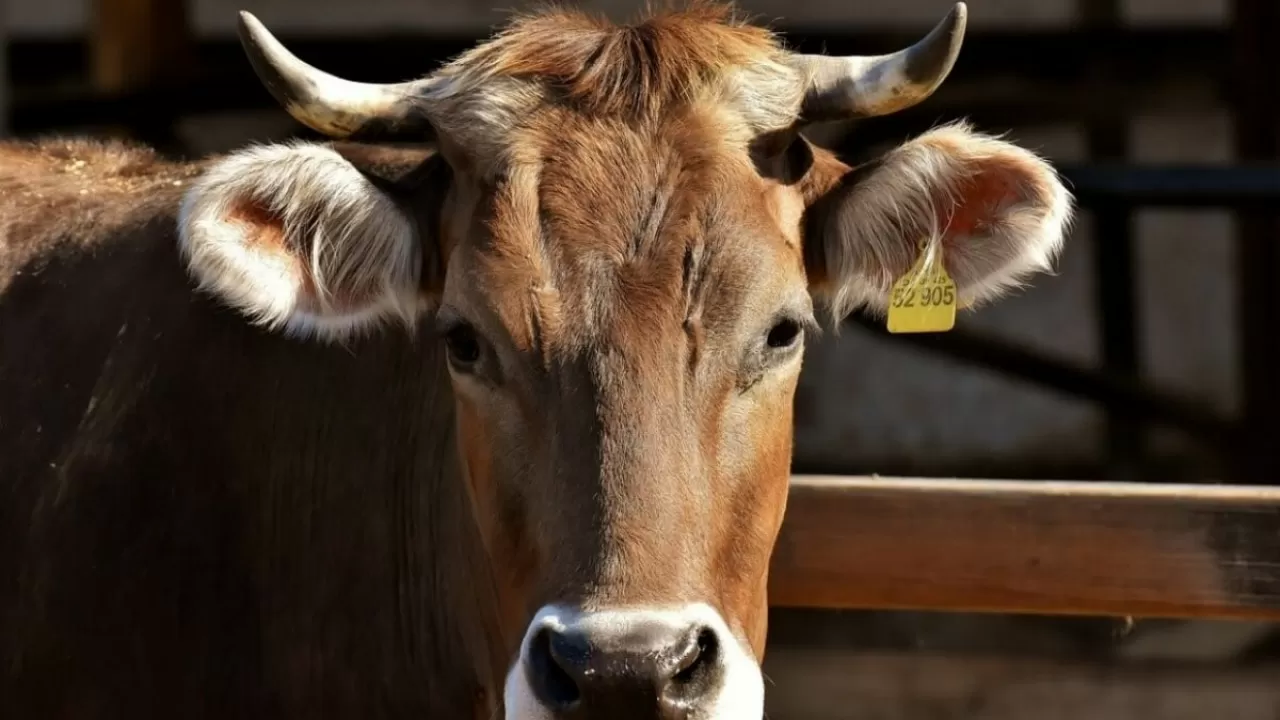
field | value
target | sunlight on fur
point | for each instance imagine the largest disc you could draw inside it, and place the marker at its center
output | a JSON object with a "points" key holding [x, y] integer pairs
{"points": [[328, 255]]}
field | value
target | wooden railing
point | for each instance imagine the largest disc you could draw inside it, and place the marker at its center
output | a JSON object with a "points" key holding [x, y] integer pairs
{"points": [[1063, 548]]}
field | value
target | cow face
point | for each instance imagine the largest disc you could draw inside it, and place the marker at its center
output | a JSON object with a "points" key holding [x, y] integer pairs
{"points": [[622, 251]]}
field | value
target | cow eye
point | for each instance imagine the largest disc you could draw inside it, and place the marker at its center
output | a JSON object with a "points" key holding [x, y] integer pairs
{"points": [[463, 345], [784, 334]]}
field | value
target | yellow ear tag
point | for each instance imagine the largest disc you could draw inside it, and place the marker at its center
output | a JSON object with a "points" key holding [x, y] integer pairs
{"points": [[924, 299]]}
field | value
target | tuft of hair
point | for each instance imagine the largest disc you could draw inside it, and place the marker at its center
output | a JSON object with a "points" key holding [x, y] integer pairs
{"points": [[632, 69], [297, 239], [904, 207], [666, 58]]}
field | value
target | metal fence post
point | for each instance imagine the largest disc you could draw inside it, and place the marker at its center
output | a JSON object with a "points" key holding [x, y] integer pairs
{"points": [[1257, 121]]}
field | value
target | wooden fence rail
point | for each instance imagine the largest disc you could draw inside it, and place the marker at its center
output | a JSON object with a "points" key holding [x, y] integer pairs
{"points": [[1062, 548]]}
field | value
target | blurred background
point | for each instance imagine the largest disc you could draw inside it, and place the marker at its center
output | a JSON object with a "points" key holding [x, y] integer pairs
{"points": [[1150, 356]]}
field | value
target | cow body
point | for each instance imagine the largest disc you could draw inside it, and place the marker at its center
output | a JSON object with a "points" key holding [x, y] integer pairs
{"points": [[201, 520], [498, 426]]}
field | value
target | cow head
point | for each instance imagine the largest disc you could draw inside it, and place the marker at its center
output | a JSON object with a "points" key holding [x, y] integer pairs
{"points": [[623, 245]]}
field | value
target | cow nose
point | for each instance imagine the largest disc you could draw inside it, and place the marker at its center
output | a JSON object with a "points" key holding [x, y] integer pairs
{"points": [[652, 671]]}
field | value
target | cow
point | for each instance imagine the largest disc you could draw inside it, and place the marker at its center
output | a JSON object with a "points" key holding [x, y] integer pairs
{"points": [[478, 405]]}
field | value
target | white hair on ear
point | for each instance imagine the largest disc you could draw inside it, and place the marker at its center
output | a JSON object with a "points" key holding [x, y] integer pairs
{"points": [[300, 241], [876, 232]]}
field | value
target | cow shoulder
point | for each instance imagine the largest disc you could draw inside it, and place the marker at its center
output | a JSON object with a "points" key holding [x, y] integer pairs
{"points": [[64, 196]]}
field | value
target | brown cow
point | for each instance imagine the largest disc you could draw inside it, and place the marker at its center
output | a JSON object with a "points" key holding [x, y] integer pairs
{"points": [[558, 500]]}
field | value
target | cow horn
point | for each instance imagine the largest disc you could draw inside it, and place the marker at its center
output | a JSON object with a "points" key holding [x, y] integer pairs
{"points": [[341, 109], [839, 88]]}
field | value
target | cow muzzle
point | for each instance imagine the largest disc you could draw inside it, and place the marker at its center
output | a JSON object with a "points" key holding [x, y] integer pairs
{"points": [[669, 664]]}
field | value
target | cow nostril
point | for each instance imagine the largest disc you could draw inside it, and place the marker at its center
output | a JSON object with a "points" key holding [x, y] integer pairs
{"points": [[550, 680], [699, 661], [644, 666]]}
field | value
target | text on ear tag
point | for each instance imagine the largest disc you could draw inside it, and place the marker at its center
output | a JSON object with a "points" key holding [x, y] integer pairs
{"points": [[924, 299]]}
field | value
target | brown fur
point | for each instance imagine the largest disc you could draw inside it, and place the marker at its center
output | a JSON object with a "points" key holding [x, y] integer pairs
{"points": [[648, 71], [51, 190], [636, 291], [638, 70], [207, 520], [642, 299], [201, 519]]}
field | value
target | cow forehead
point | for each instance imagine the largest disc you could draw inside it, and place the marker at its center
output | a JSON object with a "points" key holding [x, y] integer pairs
{"points": [[701, 56], [608, 229]]}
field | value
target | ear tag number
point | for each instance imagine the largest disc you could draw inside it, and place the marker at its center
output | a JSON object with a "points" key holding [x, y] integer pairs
{"points": [[924, 299]]}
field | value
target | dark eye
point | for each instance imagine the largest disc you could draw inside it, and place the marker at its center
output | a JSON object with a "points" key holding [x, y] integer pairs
{"points": [[783, 335], [463, 345]]}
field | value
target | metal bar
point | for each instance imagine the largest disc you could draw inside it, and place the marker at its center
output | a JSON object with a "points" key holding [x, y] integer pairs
{"points": [[1003, 76], [5, 99], [1117, 313], [1183, 186], [1257, 82], [1060, 548], [1042, 53], [1115, 300]]}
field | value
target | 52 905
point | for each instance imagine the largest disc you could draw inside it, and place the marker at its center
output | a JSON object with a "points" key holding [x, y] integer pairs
{"points": [[924, 295]]}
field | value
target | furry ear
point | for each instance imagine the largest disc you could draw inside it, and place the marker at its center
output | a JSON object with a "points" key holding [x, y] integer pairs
{"points": [[300, 240], [997, 212]]}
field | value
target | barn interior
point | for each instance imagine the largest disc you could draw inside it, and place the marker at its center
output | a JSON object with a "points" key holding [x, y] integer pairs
{"points": [[1163, 115]]}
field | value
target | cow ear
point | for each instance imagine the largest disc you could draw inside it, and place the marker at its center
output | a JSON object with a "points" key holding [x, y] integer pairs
{"points": [[303, 241], [997, 212]]}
